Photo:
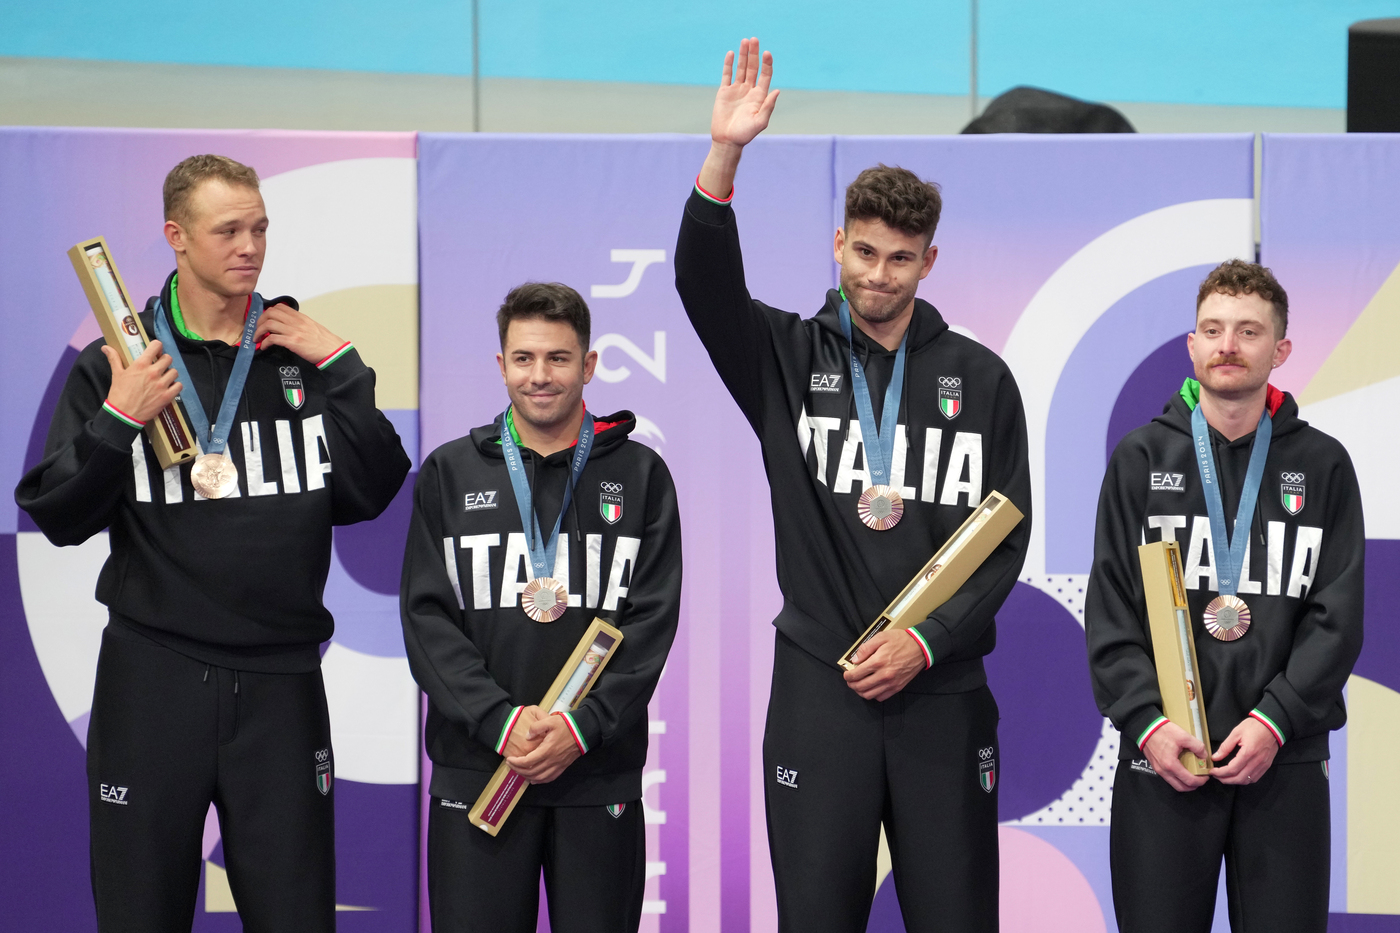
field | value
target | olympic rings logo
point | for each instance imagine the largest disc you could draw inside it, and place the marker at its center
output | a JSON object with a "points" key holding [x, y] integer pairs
{"points": [[1291, 477], [611, 487], [950, 382], [289, 370], [984, 753]]}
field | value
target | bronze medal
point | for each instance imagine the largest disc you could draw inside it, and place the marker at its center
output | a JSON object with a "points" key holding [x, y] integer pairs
{"points": [[1227, 617], [544, 599], [880, 507], [214, 476]]}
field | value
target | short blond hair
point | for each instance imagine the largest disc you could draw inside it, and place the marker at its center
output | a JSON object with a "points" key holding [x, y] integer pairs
{"points": [[184, 178]]}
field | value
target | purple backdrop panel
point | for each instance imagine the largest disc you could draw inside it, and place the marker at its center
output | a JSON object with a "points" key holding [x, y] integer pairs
{"points": [[57, 187], [601, 214], [1330, 228]]}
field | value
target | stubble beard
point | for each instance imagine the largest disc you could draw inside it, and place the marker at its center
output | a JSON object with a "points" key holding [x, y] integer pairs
{"points": [[880, 311]]}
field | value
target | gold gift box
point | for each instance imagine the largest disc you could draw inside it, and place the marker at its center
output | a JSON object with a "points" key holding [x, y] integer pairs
{"points": [[577, 676], [946, 571], [1174, 646], [169, 432]]}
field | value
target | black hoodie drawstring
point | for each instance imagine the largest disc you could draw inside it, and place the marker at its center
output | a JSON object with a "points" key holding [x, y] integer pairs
{"points": [[573, 500], [533, 521]]}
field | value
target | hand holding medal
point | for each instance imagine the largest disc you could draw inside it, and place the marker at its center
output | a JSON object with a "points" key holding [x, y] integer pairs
{"points": [[880, 506]]}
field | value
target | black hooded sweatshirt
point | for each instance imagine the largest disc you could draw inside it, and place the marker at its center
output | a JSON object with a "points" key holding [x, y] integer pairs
{"points": [[1303, 579], [476, 653], [235, 582], [961, 434]]}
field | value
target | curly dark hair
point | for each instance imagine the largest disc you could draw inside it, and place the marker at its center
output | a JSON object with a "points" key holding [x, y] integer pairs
{"points": [[551, 301], [896, 196], [1236, 277], [184, 178]]}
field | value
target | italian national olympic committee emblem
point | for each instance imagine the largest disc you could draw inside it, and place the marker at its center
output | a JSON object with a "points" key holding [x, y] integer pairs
{"points": [[610, 502], [292, 389], [323, 771], [1292, 490], [950, 396], [986, 769]]}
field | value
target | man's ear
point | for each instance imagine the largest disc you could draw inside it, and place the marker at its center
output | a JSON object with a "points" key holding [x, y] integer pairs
{"points": [[590, 363], [175, 236], [930, 257], [501, 364], [838, 247], [1282, 350]]}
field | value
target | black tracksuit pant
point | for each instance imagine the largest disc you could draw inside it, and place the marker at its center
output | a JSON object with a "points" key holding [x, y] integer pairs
{"points": [[836, 767], [1274, 835], [167, 736], [593, 858]]}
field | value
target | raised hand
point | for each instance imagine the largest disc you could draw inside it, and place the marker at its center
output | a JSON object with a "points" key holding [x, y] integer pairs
{"points": [[743, 106]]}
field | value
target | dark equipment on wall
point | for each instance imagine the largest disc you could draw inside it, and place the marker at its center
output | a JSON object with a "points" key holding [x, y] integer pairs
{"points": [[1033, 110], [1373, 76]]}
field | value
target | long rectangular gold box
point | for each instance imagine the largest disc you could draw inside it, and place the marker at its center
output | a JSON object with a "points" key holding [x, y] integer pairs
{"points": [[168, 431], [947, 570], [1174, 645], [578, 675]]}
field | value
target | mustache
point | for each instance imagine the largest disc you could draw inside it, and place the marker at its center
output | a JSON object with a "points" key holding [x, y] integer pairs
{"points": [[1229, 360]]}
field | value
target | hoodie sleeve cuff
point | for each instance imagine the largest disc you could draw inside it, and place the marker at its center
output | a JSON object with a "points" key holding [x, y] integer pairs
{"points": [[1270, 722], [574, 730], [337, 354], [1150, 730], [503, 733], [923, 646], [122, 416], [708, 210]]}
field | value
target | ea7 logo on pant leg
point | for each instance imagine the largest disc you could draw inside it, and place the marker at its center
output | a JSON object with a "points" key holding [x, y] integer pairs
{"points": [[111, 793], [950, 396], [1291, 491], [787, 777], [323, 771], [986, 769], [292, 389], [610, 502]]}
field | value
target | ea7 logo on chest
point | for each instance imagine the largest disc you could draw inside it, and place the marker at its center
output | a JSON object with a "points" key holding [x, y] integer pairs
{"points": [[292, 389], [1291, 491], [826, 382], [1168, 482], [476, 501]]}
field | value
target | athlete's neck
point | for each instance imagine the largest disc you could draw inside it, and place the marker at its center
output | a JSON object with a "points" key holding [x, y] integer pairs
{"points": [[1233, 417], [889, 333], [207, 313], [547, 439]]}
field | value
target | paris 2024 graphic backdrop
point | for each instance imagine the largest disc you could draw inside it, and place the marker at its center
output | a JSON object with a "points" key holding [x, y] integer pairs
{"points": [[1076, 258]]}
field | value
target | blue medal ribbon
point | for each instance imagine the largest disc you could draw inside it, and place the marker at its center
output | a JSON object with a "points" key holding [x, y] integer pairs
{"points": [[212, 440], [542, 550], [879, 442], [1227, 552]]}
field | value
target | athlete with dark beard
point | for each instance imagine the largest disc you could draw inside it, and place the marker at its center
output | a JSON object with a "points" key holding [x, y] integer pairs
{"points": [[881, 431]]}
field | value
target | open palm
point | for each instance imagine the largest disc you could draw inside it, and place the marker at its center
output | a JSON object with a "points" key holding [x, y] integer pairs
{"points": [[743, 104]]}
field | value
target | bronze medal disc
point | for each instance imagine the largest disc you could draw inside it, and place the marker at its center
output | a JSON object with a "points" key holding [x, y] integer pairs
{"points": [[880, 507], [544, 599], [1227, 617], [214, 476]]}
